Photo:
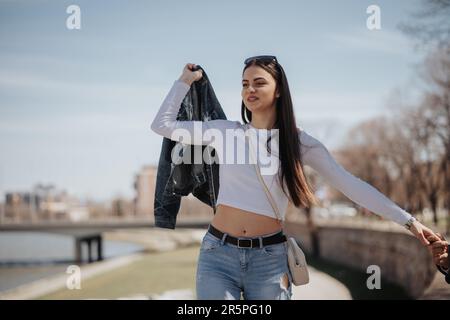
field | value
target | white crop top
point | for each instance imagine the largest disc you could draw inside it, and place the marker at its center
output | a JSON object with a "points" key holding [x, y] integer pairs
{"points": [[239, 184]]}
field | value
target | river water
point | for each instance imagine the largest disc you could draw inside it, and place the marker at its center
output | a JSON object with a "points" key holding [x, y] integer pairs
{"points": [[28, 256]]}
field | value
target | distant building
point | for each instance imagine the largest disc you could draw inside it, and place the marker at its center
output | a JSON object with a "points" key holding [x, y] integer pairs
{"points": [[144, 185], [122, 208], [44, 202], [78, 213], [20, 206]]}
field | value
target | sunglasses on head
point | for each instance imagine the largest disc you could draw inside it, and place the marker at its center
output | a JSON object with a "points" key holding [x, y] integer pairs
{"points": [[261, 58]]}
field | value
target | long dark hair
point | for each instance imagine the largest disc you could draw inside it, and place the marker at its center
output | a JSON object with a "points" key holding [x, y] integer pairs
{"points": [[291, 166]]}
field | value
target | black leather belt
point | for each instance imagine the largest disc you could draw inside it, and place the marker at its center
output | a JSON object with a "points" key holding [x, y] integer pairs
{"points": [[248, 242]]}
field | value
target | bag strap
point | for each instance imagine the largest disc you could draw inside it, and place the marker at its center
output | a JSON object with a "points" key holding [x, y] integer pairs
{"points": [[258, 173]]}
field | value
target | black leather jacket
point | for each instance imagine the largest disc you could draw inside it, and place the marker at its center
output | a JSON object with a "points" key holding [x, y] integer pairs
{"points": [[176, 180]]}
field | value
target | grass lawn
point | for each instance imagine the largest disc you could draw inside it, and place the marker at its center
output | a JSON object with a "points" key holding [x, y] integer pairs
{"points": [[155, 273]]}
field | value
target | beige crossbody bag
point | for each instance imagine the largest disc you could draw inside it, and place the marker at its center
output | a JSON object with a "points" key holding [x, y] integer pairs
{"points": [[296, 258]]}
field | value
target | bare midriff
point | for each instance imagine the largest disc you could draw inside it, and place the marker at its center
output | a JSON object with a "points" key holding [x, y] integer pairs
{"points": [[241, 223]]}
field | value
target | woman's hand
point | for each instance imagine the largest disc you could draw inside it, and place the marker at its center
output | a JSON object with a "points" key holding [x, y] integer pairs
{"points": [[421, 232], [189, 76]]}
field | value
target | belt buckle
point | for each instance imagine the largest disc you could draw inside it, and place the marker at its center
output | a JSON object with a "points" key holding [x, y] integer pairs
{"points": [[249, 240]]}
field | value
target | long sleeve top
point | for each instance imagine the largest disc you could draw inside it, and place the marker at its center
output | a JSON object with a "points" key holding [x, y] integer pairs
{"points": [[239, 184]]}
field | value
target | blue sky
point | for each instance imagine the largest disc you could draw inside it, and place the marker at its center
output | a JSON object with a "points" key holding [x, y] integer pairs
{"points": [[76, 105]]}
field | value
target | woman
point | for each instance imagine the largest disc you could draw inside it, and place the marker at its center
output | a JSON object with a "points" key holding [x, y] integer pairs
{"points": [[244, 250]]}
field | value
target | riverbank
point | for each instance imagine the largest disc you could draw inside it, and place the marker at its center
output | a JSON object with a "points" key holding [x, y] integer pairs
{"points": [[29, 281], [383, 247], [166, 270], [26, 257], [171, 275]]}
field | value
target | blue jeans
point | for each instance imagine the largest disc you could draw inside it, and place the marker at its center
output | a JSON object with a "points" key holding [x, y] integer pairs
{"points": [[224, 271]]}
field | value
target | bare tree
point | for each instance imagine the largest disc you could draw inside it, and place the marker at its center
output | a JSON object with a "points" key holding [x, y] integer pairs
{"points": [[430, 25], [436, 74], [401, 156], [430, 151], [363, 156], [431, 29]]}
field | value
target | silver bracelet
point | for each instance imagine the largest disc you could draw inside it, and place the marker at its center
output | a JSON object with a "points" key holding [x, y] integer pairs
{"points": [[409, 223]]}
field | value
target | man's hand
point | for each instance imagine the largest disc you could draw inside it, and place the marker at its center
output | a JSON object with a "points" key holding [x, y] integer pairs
{"points": [[439, 250]]}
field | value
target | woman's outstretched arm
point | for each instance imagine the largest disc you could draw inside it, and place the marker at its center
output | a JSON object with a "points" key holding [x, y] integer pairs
{"points": [[317, 156]]}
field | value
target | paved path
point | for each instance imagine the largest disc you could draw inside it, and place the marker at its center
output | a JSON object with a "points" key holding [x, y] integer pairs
{"points": [[321, 287], [438, 290]]}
